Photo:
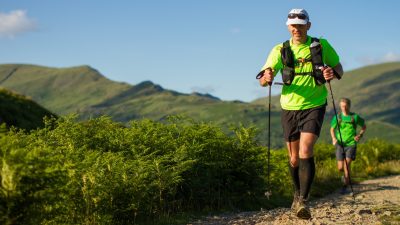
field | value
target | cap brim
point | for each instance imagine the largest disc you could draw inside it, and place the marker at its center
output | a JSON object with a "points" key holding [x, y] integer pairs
{"points": [[296, 21]]}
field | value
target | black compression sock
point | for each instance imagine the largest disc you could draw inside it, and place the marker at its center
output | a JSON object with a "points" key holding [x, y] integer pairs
{"points": [[294, 173], [306, 175]]}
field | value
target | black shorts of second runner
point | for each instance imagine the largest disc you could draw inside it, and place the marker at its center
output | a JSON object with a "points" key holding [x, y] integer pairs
{"points": [[349, 151], [296, 121]]}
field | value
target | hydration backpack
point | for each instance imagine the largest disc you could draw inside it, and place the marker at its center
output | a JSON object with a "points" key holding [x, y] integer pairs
{"points": [[353, 122], [288, 61]]}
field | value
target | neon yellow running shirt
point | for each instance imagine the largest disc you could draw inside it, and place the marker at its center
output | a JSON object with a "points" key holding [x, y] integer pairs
{"points": [[303, 93]]}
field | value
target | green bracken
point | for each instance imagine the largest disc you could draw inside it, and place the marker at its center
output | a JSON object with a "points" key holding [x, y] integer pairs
{"points": [[103, 172]]}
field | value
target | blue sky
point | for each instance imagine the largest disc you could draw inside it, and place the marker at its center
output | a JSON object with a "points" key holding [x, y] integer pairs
{"points": [[208, 46]]}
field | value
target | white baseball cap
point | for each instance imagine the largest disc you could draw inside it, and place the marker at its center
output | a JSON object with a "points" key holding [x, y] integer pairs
{"points": [[297, 16]]}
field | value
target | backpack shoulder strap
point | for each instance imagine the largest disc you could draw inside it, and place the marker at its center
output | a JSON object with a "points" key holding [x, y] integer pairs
{"points": [[314, 39], [316, 51], [339, 117], [286, 44], [287, 55], [353, 122], [317, 61]]}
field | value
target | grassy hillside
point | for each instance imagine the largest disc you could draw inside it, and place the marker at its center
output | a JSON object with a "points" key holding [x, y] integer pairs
{"points": [[65, 90], [19, 111]]}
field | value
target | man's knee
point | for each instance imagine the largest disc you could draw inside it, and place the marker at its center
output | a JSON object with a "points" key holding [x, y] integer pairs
{"points": [[340, 167], [307, 142], [307, 150], [294, 161]]}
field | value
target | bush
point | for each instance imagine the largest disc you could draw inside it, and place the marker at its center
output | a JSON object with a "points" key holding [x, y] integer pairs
{"points": [[101, 172], [372, 155]]}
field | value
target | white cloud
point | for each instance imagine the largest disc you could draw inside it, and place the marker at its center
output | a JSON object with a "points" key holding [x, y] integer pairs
{"points": [[388, 57], [14, 23], [391, 57]]}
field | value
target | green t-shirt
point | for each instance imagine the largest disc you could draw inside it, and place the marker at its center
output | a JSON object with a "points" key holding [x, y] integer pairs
{"points": [[303, 93], [347, 128]]}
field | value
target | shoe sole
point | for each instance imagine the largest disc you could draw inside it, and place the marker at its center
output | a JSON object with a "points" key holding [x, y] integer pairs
{"points": [[303, 213]]}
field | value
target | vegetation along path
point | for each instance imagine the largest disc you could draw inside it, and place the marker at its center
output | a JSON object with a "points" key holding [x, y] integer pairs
{"points": [[376, 202]]}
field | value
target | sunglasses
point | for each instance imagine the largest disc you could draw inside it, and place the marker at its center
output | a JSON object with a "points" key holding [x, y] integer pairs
{"points": [[294, 15]]}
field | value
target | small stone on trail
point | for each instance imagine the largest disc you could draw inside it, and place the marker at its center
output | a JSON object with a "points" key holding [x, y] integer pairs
{"points": [[364, 211], [387, 213]]}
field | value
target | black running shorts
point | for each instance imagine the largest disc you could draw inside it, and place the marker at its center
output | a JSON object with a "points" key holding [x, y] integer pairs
{"points": [[296, 121]]}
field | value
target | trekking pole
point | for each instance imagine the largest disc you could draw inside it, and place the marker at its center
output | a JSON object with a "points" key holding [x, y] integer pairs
{"points": [[269, 132], [268, 193], [340, 135]]}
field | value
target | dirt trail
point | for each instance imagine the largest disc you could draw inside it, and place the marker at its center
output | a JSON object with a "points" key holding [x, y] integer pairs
{"points": [[376, 202]]}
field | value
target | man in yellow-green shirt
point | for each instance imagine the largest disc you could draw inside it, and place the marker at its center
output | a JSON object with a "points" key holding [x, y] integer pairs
{"points": [[346, 141], [303, 100]]}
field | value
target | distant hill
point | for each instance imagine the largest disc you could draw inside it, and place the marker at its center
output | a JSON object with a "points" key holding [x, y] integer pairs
{"points": [[85, 91], [62, 90], [18, 111]]}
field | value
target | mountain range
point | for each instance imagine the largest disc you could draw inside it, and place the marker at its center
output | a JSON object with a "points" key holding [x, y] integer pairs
{"points": [[85, 91]]}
